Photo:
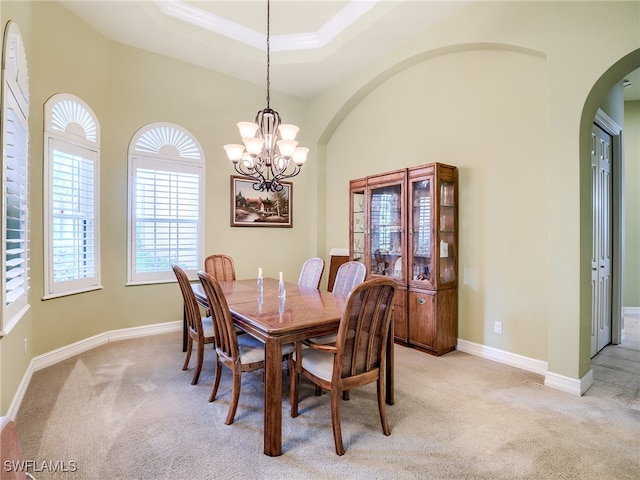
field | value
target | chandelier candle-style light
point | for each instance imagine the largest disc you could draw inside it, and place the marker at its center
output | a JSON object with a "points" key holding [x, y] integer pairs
{"points": [[263, 157]]}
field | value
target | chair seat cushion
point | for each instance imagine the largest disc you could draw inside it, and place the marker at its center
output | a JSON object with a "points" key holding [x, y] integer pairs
{"points": [[288, 348], [251, 349], [318, 363], [323, 340], [207, 327]]}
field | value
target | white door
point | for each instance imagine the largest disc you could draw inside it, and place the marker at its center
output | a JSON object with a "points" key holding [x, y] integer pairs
{"points": [[602, 229]]}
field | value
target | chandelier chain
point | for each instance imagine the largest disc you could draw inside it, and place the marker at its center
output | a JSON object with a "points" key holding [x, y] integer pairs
{"points": [[268, 54], [269, 154]]}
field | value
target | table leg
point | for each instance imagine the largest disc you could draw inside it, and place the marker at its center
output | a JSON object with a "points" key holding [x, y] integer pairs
{"points": [[390, 394], [273, 398]]}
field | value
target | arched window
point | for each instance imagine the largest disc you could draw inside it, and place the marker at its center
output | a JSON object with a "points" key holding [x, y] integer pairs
{"points": [[166, 203], [71, 197], [15, 179]]}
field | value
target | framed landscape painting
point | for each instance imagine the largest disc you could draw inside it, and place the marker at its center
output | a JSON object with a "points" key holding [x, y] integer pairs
{"points": [[252, 208]]}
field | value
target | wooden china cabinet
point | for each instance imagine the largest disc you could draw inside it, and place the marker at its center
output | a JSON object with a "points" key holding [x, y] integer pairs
{"points": [[404, 226]]}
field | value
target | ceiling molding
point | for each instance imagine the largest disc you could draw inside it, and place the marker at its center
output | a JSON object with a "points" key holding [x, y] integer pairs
{"points": [[199, 17]]}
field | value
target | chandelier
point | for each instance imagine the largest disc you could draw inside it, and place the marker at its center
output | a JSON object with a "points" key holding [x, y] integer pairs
{"points": [[269, 153]]}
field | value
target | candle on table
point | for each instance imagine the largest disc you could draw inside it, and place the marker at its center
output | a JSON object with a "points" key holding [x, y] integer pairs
{"points": [[281, 292], [260, 284]]}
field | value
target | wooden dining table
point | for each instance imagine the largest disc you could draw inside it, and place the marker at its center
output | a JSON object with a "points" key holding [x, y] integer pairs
{"points": [[304, 313]]}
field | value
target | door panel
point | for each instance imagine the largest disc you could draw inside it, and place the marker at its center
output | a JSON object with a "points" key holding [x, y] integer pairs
{"points": [[602, 231]]}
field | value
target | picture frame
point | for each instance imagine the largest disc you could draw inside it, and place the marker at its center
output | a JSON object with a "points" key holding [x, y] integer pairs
{"points": [[252, 208]]}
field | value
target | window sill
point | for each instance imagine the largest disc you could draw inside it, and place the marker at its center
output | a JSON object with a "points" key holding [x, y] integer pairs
{"points": [[74, 292], [13, 321]]}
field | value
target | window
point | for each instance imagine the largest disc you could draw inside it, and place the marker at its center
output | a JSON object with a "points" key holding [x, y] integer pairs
{"points": [[71, 197], [15, 180], [166, 203]]}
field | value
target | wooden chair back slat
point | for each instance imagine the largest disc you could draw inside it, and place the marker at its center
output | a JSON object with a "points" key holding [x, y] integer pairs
{"points": [[221, 267], [226, 340], [362, 335], [192, 310]]}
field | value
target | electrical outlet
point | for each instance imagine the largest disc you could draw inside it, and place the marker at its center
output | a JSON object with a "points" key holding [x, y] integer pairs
{"points": [[497, 327]]}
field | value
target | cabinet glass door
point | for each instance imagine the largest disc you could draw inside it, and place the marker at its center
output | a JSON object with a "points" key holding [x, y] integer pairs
{"points": [[422, 218], [386, 234], [447, 245], [358, 226], [421, 230]]}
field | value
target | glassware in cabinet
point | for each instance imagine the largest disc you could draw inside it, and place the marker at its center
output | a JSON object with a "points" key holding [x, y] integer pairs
{"points": [[358, 220], [386, 235], [447, 233]]}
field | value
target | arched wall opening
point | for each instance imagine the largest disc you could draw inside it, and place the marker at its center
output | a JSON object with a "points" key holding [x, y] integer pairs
{"points": [[594, 100]]}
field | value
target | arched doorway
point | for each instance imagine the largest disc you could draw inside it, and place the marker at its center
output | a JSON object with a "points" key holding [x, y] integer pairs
{"points": [[592, 115]]}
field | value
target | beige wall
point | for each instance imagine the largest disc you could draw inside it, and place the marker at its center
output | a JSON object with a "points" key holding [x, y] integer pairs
{"points": [[433, 111], [500, 89], [631, 294]]}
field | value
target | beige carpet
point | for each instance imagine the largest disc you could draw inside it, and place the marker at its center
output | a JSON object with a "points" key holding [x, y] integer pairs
{"points": [[127, 411]]}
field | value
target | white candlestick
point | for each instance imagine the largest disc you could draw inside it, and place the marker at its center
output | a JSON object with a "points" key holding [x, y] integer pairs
{"points": [[281, 278], [259, 271]]}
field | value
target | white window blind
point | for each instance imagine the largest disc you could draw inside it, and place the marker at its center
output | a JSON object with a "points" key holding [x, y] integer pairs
{"points": [[73, 227], [166, 204], [16, 211], [424, 225], [72, 223], [381, 203], [167, 218], [15, 180]]}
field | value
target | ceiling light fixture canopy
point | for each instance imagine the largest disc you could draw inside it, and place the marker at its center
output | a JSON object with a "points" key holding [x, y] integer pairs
{"points": [[269, 153]]}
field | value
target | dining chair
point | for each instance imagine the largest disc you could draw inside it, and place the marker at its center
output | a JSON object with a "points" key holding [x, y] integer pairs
{"points": [[357, 358], [199, 328], [349, 275], [239, 353], [311, 273], [221, 267]]}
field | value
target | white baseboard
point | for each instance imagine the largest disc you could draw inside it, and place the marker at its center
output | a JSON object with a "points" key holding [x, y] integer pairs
{"points": [[512, 359], [553, 380], [575, 386], [631, 311], [559, 382], [51, 358]]}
